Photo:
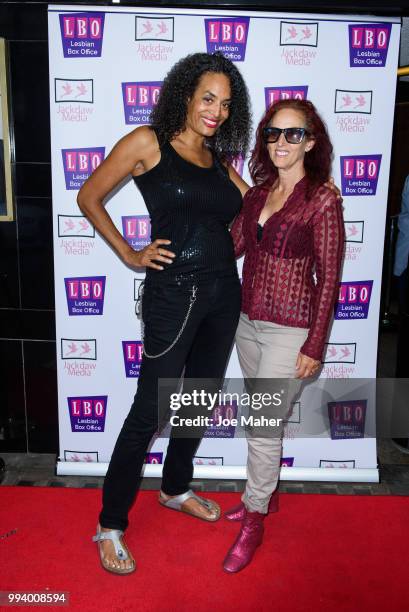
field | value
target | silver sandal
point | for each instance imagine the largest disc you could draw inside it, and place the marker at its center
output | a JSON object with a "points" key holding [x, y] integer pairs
{"points": [[121, 550], [176, 503]]}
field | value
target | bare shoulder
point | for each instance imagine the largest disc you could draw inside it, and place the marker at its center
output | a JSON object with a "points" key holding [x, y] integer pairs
{"points": [[139, 150], [143, 139]]}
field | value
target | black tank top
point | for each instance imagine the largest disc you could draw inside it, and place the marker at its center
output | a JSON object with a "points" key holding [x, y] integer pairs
{"points": [[193, 207]]}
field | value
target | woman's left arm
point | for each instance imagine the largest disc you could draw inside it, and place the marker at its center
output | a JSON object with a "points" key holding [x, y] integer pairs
{"points": [[328, 247]]}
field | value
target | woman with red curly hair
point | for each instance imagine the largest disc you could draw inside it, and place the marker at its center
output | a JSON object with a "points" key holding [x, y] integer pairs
{"points": [[291, 232]]}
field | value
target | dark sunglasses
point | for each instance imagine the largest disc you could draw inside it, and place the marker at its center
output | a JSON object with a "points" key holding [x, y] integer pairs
{"points": [[293, 135]]}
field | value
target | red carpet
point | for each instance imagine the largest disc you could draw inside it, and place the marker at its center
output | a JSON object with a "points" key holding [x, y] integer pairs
{"points": [[321, 552]]}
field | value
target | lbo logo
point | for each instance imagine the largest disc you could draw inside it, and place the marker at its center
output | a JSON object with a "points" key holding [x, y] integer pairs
{"points": [[85, 295], [228, 36], [79, 164], [133, 353], [87, 413], [137, 230], [359, 174], [139, 100], [347, 419], [82, 34], [368, 44], [292, 92], [353, 300]]}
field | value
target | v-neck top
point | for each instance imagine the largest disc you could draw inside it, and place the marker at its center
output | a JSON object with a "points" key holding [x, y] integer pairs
{"points": [[192, 206], [291, 273]]}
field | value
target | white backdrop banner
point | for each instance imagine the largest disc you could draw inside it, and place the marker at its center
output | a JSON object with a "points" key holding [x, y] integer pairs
{"points": [[106, 70]]}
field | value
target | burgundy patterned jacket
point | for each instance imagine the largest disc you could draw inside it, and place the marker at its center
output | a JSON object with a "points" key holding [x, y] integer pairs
{"points": [[278, 272]]}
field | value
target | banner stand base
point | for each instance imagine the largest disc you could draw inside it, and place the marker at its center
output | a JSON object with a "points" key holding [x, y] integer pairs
{"points": [[231, 472]]}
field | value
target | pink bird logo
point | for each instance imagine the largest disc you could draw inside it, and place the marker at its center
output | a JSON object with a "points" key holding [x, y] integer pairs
{"points": [[307, 33], [347, 100], [85, 349], [75, 458], [148, 27], [162, 27], [84, 225], [88, 458], [352, 230], [67, 89], [73, 348], [82, 90], [345, 352], [69, 224], [292, 33], [332, 351], [361, 101]]}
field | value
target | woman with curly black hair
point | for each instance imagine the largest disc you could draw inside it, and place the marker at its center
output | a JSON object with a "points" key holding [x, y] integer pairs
{"points": [[232, 136], [191, 300]]}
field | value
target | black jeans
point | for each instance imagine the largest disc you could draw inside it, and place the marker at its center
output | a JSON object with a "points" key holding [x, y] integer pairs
{"points": [[203, 350]]}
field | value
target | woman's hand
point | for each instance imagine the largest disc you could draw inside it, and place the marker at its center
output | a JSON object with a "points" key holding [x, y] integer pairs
{"points": [[331, 185], [306, 366], [146, 257]]}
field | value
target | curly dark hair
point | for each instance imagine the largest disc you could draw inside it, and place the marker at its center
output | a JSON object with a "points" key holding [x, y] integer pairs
{"points": [[168, 117], [317, 161]]}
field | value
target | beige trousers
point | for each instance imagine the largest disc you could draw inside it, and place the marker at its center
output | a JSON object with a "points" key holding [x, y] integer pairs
{"points": [[266, 350]]}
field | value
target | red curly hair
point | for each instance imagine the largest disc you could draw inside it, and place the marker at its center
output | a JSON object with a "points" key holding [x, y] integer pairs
{"points": [[317, 162]]}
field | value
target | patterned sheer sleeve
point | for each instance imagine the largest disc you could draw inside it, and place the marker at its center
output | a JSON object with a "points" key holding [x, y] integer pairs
{"points": [[328, 245], [236, 231]]}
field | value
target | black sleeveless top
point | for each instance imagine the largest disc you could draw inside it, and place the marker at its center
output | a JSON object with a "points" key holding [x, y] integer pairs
{"points": [[193, 207]]}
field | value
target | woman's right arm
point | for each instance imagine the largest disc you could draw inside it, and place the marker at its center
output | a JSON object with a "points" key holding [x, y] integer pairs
{"points": [[137, 149]]}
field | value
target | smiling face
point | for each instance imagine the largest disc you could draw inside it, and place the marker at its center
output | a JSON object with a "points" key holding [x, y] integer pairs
{"points": [[285, 156], [209, 106]]}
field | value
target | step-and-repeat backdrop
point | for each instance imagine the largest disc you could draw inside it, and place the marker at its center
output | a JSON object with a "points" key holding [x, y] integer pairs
{"points": [[106, 70]]}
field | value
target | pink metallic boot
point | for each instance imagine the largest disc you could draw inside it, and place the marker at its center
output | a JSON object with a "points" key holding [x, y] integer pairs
{"points": [[243, 549], [237, 513]]}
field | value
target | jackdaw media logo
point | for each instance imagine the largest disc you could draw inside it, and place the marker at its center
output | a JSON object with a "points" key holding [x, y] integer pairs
{"points": [[337, 463], [299, 34], [81, 456], [340, 352], [75, 226], [151, 28]]}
